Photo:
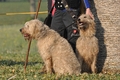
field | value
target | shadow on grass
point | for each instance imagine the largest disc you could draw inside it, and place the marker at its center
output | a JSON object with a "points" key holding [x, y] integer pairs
{"points": [[11, 62]]}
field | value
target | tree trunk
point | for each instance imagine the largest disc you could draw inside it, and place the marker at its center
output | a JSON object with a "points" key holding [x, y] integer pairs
{"points": [[32, 8], [107, 18]]}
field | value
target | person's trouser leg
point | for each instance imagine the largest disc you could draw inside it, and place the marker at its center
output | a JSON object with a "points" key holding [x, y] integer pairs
{"points": [[70, 27], [57, 23]]}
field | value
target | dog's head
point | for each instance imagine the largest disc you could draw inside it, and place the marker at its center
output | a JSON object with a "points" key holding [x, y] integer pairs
{"points": [[31, 29], [84, 22], [86, 25]]}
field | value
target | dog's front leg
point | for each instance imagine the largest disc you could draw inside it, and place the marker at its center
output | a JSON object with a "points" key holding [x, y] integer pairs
{"points": [[43, 70], [80, 59], [93, 66], [48, 64]]}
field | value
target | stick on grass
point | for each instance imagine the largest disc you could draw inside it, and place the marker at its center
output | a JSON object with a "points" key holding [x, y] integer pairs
{"points": [[30, 40]]}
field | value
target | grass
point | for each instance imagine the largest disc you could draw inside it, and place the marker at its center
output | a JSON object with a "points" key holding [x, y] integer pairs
{"points": [[13, 49]]}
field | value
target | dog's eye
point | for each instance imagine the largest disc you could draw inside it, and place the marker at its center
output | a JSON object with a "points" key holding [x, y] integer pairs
{"points": [[26, 26], [85, 17]]}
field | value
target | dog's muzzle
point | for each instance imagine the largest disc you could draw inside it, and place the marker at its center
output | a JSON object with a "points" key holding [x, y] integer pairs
{"points": [[79, 22], [26, 35]]}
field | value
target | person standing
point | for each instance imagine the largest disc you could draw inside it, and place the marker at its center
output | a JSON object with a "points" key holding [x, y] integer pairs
{"points": [[64, 22]]}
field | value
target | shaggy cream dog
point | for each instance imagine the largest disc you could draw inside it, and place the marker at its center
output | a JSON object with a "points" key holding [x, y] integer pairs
{"points": [[55, 51], [87, 44]]}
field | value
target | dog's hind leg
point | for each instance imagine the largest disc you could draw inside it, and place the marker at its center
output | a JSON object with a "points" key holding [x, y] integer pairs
{"points": [[93, 66]]}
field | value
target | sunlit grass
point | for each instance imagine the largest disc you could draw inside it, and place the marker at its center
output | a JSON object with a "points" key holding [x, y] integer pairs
{"points": [[13, 50]]}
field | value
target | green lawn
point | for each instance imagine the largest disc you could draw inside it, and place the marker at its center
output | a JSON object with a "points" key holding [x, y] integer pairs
{"points": [[13, 48]]}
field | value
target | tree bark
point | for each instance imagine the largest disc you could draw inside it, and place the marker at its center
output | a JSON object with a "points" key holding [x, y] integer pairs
{"points": [[107, 18]]}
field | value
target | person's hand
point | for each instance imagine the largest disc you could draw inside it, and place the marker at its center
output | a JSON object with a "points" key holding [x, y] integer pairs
{"points": [[88, 12]]}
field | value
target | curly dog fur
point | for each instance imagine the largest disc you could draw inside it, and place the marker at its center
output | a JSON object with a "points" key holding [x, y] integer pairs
{"points": [[87, 44], [55, 51]]}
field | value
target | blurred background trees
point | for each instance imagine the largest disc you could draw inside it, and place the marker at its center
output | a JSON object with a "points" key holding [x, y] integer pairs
{"points": [[32, 7]]}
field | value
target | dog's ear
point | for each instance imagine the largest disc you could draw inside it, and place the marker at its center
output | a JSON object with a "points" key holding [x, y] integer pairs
{"points": [[33, 27], [37, 27]]}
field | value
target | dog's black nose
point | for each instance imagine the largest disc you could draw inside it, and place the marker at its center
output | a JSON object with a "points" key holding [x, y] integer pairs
{"points": [[20, 30], [79, 19]]}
